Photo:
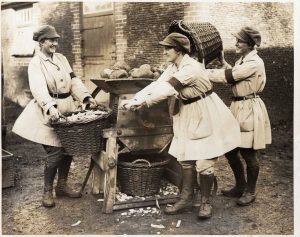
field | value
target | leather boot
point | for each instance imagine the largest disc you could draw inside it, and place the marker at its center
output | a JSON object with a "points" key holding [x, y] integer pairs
{"points": [[239, 175], [49, 175], [252, 175], [187, 192], [206, 184], [62, 189]]}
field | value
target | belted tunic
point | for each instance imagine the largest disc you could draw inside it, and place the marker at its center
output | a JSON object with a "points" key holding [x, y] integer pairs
{"points": [[247, 77], [48, 75], [203, 129]]}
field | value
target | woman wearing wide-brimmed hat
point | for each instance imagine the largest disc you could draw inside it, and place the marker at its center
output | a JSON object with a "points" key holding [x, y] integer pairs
{"points": [[203, 126], [55, 88], [247, 79]]}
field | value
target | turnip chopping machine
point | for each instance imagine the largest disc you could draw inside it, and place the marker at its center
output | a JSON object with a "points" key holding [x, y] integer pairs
{"points": [[135, 133]]}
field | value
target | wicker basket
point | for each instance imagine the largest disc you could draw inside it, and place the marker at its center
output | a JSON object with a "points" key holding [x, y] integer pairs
{"points": [[140, 177], [82, 137], [206, 42], [8, 172]]}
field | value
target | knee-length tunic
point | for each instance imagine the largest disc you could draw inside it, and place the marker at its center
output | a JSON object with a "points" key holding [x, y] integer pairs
{"points": [[247, 77], [203, 129], [46, 75]]}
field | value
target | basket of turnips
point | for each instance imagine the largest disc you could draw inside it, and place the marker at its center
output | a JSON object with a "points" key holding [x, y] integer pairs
{"points": [[80, 132]]}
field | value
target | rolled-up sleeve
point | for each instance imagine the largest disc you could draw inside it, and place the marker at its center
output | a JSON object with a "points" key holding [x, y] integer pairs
{"points": [[216, 75], [38, 86]]}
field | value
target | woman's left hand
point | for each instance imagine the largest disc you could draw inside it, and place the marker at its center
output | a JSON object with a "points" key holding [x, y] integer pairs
{"points": [[225, 64]]}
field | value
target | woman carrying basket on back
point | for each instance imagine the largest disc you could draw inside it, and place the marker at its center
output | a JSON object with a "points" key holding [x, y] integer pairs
{"points": [[247, 79], [203, 126], [55, 88]]}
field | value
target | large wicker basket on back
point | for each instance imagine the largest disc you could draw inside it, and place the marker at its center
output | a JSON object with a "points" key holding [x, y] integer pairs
{"points": [[205, 39]]}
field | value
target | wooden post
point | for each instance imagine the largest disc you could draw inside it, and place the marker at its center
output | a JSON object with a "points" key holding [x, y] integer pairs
{"points": [[110, 175], [98, 175]]}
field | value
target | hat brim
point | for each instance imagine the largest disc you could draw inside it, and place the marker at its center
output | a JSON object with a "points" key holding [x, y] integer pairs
{"points": [[163, 43], [53, 36], [236, 35]]}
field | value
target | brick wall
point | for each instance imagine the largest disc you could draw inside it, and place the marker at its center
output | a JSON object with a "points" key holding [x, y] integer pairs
{"points": [[273, 20], [146, 24], [76, 64], [120, 23]]}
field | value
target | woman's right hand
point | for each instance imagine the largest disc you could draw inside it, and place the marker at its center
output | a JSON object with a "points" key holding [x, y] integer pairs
{"points": [[54, 113], [131, 104], [221, 57]]}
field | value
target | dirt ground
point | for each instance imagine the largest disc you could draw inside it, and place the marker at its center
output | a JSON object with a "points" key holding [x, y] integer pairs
{"points": [[272, 213]]}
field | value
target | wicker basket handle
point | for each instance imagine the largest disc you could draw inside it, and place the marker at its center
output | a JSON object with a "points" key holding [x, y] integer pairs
{"points": [[142, 160], [181, 28], [195, 37]]}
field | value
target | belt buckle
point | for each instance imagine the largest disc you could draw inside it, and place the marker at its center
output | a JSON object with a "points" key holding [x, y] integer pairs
{"points": [[55, 95]]}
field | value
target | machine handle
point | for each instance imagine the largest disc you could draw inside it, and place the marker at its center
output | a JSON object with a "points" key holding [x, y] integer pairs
{"points": [[95, 92], [142, 160]]}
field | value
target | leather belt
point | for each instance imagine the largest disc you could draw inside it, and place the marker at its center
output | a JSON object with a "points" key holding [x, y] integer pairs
{"points": [[59, 96], [246, 97], [192, 100]]}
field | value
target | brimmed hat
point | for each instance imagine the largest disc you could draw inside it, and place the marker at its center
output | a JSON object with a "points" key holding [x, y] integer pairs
{"points": [[45, 32], [249, 35], [177, 40]]}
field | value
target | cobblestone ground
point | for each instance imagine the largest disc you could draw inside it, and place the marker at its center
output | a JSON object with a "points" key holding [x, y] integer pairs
{"points": [[272, 213]]}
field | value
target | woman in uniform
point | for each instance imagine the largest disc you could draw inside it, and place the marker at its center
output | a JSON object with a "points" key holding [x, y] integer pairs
{"points": [[247, 79], [55, 88], [203, 126]]}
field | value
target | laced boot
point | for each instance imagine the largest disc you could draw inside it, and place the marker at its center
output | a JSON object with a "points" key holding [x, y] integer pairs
{"points": [[249, 195], [62, 189], [49, 175], [187, 193], [239, 175], [206, 184]]}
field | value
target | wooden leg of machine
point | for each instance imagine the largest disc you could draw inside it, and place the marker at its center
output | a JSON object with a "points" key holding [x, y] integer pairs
{"points": [[98, 179], [98, 174], [110, 175]]}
